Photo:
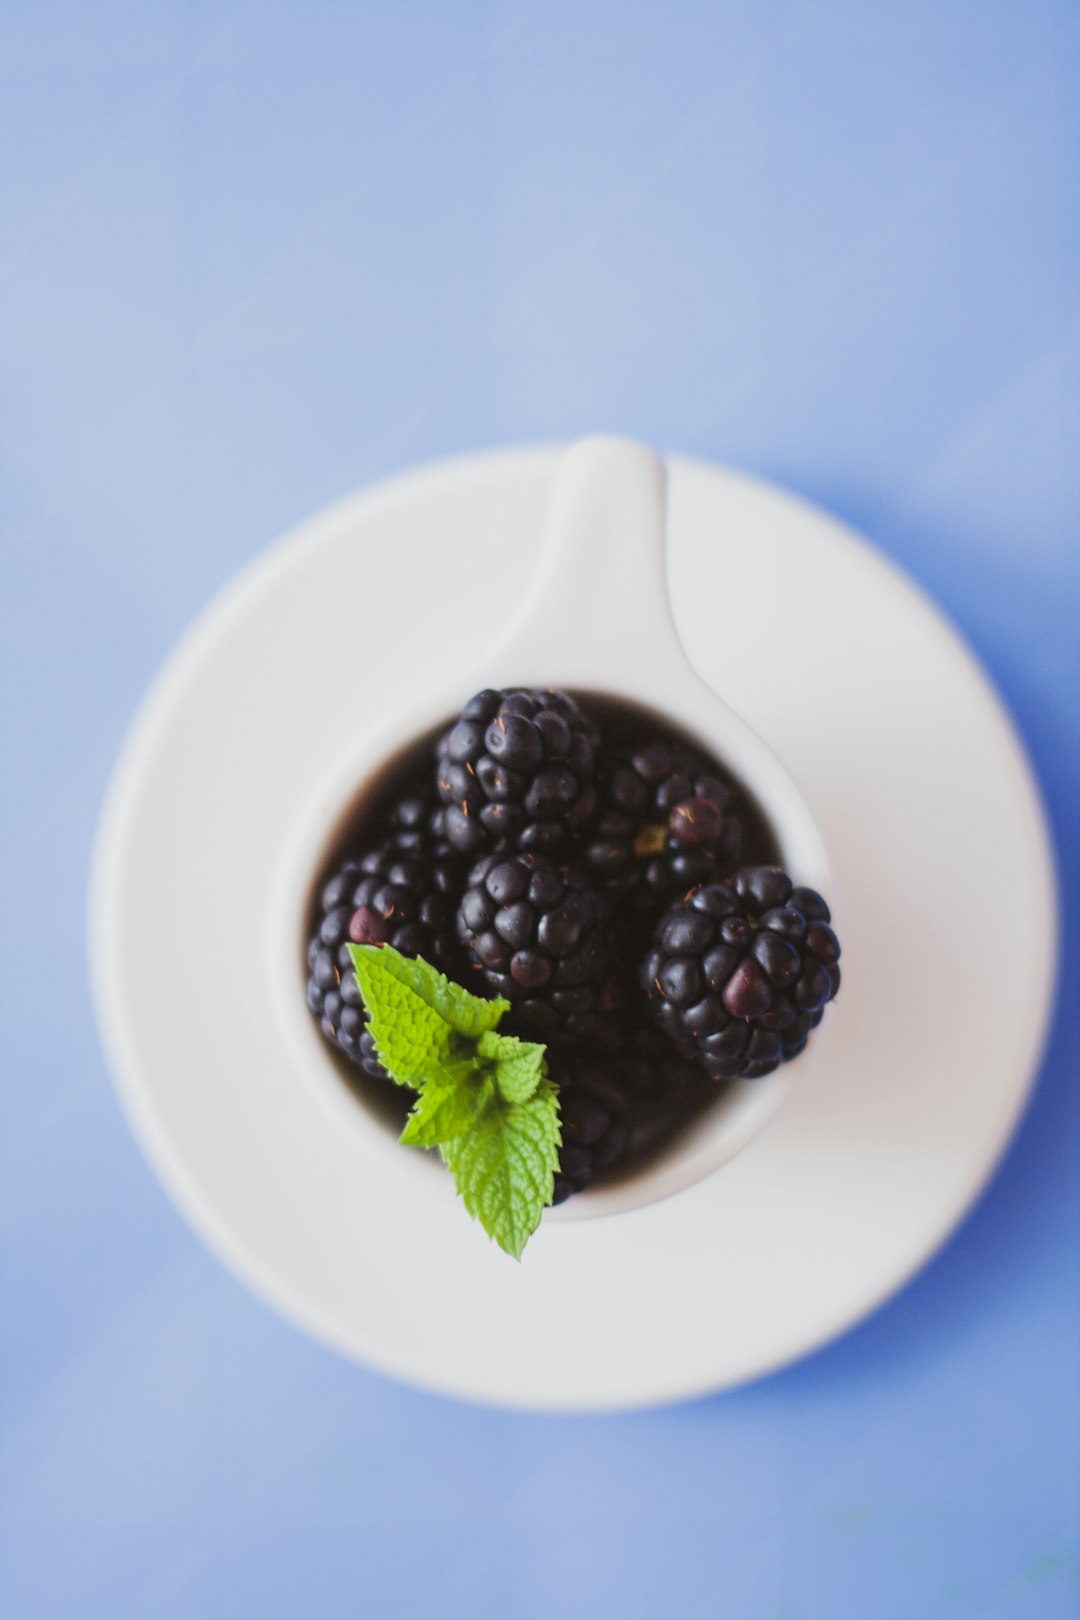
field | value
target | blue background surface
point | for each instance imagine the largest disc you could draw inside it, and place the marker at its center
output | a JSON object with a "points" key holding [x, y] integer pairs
{"points": [[253, 255]]}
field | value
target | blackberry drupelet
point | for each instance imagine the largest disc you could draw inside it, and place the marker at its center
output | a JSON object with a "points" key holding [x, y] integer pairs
{"points": [[740, 972], [667, 822], [404, 894], [539, 934], [517, 772], [418, 822]]}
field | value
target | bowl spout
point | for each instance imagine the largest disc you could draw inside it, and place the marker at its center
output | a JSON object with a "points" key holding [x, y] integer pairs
{"points": [[599, 597]]}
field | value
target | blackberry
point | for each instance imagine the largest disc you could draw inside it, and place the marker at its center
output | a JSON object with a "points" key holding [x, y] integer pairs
{"points": [[667, 822], [740, 972], [539, 934], [620, 1107], [593, 1109], [664, 1090], [517, 772], [402, 893]]}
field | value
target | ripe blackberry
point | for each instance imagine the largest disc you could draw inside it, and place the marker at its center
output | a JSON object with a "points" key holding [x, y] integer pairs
{"points": [[666, 822], [517, 772], [622, 1106], [664, 1090], [739, 972], [403, 893], [538, 934], [592, 1108]]}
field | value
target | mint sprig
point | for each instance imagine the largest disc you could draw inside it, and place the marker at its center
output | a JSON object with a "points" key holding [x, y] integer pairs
{"points": [[504, 1164], [447, 1108], [484, 1101], [520, 1066]]}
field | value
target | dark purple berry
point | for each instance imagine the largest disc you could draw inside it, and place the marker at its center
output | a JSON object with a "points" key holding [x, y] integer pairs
{"points": [[399, 893], [517, 772], [540, 935], [738, 973], [667, 822], [618, 1107]]}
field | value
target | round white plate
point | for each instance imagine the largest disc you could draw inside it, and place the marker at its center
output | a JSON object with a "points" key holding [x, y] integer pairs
{"points": [[927, 805]]}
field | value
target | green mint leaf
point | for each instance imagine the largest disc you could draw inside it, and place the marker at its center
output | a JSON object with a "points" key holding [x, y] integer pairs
{"points": [[504, 1164], [412, 1039], [465, 1013], [519, 1065], [485, 1100], [448, 1105]]}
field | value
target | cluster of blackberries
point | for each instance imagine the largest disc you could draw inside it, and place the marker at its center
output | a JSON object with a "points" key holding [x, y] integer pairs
{"points": [[617, 887]]}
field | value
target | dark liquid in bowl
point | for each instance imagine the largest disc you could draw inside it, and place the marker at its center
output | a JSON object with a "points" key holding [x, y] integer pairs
{"points": [[655, 1119]]}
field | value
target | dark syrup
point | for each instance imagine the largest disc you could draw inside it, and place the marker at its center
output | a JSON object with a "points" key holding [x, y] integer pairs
{"points": [[409, 771]]}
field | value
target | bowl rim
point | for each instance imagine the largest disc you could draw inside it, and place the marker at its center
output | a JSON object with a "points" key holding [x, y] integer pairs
{"points": [[710, 1140]]}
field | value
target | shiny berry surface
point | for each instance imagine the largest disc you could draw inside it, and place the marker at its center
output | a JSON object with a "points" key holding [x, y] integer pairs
{"points": [[738, 973]]}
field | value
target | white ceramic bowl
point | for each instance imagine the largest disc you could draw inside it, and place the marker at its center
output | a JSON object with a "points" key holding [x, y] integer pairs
{"points": [[595, 617]]}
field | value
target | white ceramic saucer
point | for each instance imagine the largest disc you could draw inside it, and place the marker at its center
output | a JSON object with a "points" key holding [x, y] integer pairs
{"points": [[924, 798]]}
